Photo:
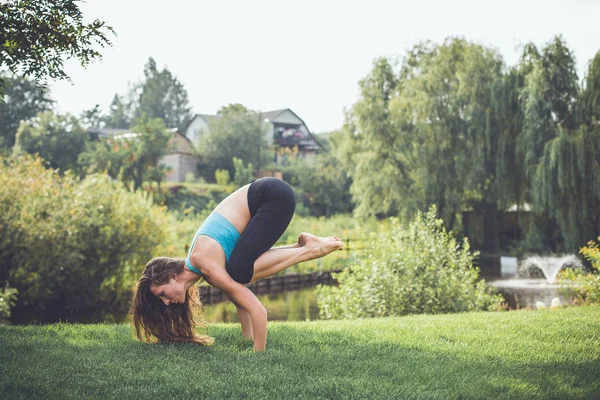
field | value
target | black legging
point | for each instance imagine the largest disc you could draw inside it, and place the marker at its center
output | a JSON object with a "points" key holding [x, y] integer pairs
{"points": [[272, 204]]}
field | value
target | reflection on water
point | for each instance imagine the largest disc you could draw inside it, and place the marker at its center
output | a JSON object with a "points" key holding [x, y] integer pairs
{"points": [[298, 305]]}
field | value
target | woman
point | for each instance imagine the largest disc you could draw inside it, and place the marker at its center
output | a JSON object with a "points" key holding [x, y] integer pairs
{"points": [[230, 249]]}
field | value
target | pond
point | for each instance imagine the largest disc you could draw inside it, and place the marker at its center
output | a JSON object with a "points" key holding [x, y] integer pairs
{"points": [[301, 305], [297, 305]]}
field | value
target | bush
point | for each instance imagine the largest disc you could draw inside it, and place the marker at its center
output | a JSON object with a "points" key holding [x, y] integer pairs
{"points": [[243, 175], [190, 177], [419, 269], [73, 248], [8, 298], [222, 177], [322, 187], [585, 285]]}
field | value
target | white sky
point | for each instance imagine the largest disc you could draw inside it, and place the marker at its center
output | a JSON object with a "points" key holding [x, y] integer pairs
{"points": [[305, 55]]}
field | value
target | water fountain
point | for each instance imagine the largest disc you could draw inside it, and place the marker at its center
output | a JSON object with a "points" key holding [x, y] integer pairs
{"points": [[533, 280]]}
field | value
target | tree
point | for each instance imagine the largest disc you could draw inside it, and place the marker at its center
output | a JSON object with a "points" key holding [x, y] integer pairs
{"points": [[370, 142], [430, 132], [132, 157], [566, 184], [512, 183], [93, 117], [322, 184], [235, 132], [161, 95], [23, 100], [37, 36], [58, 139], [119, 116]]}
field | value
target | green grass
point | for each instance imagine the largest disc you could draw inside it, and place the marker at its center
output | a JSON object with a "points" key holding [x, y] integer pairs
{"points": [[521, 354]]}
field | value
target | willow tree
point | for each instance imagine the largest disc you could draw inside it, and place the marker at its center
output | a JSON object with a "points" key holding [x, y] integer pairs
{"points": [[450, 95], [427, 135], [371, 149], [549, 111], [511, 180], [567, 179]]}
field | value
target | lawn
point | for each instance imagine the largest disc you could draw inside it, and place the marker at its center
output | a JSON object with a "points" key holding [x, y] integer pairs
{"points": [[519, 354]]}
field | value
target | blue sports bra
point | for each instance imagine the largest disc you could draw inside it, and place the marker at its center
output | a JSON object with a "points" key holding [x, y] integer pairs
{"points": [[217, 227]]}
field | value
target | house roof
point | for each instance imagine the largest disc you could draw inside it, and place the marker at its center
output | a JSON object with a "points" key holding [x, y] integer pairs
{"points": [[123, 133], [106, 132]]}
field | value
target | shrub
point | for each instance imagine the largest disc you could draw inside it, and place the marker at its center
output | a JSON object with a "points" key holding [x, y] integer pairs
{"points": [[585, 285], [419, 269], [243, 175], [73, 248], [190, 177], [8, 298], [322, 187], [222, 177]]}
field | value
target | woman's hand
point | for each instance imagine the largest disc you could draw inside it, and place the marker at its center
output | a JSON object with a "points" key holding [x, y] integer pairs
{"points": [[243, 298]]}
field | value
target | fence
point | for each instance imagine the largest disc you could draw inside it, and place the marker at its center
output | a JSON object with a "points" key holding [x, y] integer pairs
{"points": [[274, 284], [282, 283]]}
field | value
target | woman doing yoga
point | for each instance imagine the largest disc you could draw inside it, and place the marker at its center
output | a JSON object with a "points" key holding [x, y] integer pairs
{"points": [[231, 248]]}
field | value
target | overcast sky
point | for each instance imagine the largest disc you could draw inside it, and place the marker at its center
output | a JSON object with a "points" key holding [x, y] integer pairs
{"points": [[304, 55]]}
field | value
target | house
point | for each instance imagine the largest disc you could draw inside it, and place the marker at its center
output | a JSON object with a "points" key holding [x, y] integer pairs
{"points": [[284, 129], [180, 159]]}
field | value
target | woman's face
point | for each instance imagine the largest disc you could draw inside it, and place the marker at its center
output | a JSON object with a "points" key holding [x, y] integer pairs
{"points": [[172, 292]]}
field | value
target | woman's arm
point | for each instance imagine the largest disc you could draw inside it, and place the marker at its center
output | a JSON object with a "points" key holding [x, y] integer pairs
{"points": [[242, 297], [245, 321]]}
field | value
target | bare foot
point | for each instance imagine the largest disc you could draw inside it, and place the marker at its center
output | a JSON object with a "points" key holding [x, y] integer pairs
{"points": [[303, 237], [320, 245]]}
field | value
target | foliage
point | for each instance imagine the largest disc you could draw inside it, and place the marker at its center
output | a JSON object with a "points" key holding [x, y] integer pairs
{"points": [[370, 142], [37, 36], [161, 95], [58, 139], [561, 152], [567, 185], [23, 100], [73, 248], [132, 158], [222, 177], [242, 175], [119, 115], [586, 285], [8, 298], [183, 200], [235, 132], [431, 132], [419, 269], [453, 128], [321, 185]]}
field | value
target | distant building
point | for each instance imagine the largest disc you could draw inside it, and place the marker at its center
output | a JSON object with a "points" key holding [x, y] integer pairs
{"points": [[180, 158], [284, 129]]}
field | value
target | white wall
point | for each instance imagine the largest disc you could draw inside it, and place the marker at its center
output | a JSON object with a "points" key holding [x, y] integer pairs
{"points": [[287, 117], [180, 165], [195, 129]]}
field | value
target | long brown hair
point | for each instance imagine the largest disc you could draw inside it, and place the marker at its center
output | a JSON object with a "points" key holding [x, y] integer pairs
{"points": [[153, 320]]}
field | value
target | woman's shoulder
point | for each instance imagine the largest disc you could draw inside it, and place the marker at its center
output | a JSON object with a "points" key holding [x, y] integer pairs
{"points": [[207, 254]]}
